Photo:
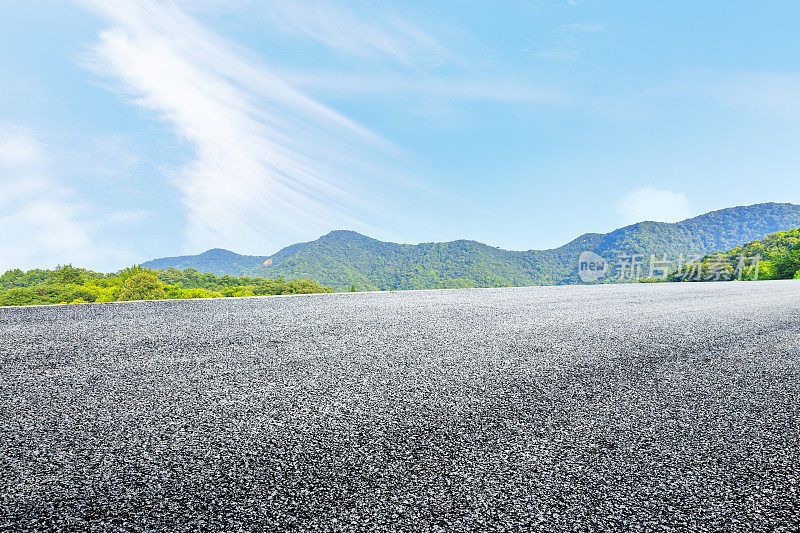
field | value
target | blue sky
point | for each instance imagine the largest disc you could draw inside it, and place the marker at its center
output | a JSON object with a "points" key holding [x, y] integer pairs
{"points": [[137, 129]]}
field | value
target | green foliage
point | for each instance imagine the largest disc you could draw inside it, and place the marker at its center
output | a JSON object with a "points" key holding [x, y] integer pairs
{"points": [[787, 264], [67, 274], [132, 271], [771, 246], [766, 271], [353, 287], [241, 293], [142, 286], [776, 256], [69, 284]]}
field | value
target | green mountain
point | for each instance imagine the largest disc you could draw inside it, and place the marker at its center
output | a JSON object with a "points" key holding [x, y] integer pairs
{"points": [[342, 258]]}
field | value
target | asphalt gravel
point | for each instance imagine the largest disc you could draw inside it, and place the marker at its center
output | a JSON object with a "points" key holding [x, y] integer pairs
{"points": [[645, 407]]}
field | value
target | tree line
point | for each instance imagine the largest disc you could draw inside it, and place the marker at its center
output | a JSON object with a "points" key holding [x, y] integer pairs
{"points": [[68, 284]]}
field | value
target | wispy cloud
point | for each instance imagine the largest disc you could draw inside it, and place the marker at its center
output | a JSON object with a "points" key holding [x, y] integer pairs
{"points": [[269, 164], [374, 31], [348, 84]]}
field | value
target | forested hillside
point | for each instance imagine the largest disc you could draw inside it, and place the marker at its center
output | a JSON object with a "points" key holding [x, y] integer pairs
{"points": [[776, 256], [342, 259]]}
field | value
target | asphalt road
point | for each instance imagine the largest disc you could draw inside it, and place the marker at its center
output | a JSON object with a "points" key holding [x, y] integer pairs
{"points": [[638, 407]]}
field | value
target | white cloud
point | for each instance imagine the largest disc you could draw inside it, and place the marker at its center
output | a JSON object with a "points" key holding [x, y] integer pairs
{"points": [[270, 164], [42, 223], [362, 30], [648, 203], [39, 225]]}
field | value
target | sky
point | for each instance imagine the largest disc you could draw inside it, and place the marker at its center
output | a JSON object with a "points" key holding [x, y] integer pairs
{"points": [[136, 129]]}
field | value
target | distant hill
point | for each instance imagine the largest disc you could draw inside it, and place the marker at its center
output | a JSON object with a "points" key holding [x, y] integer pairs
{"points": [[342, 258], [216, 260]]}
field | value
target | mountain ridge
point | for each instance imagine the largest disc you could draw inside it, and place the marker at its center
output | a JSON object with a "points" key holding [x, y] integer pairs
{"points": [[342, 258]]}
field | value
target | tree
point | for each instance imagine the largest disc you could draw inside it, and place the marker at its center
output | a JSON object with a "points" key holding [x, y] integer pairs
{"points": [[142, 286], [353, 287], [68, 274], [132, 271], [9, 279], [787, 264]]}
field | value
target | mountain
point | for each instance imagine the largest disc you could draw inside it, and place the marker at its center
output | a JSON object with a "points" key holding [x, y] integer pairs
{"points": [[342, 258], [216, 260]]}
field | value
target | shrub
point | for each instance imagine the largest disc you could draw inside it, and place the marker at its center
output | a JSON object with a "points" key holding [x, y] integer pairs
{"points": [[766, 270], [105, 294], [196, 293], [142, 286], [242, 293], [18, 296]]}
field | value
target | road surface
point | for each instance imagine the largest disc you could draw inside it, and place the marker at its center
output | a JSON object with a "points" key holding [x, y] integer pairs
{"points": [[636, 407]]}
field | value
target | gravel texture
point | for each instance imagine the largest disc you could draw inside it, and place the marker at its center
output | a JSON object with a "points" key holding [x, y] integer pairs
{"points": [[642, 407]]}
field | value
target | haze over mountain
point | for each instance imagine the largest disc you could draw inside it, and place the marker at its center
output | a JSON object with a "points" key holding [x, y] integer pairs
{"points": [[343, 258]]}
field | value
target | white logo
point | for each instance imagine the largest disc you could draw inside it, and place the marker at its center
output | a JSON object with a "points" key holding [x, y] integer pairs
{"points": [[591, 267]]}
